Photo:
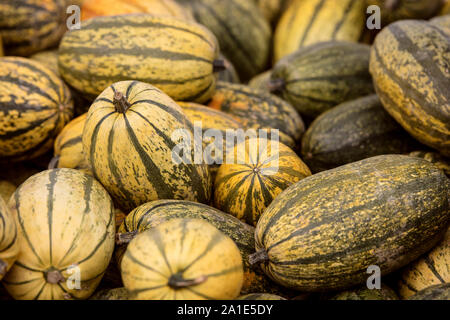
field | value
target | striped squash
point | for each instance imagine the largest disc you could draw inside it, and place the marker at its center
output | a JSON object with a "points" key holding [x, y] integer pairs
{"points": [[353, 131], [261, 81], [256, 171], [152, 214], [318, 77], [272, 9], [129, 141], [65, 220], [306, 22], [29, 26], [257, 109], [410, 65], [435, 158], [49, 58], [9, 245], [436, 292], [323, 232], [160, 8], [243, 32], [364, 293], [431, 269], [182, 259], [6, 189], [68, 148], [260, 296], [34, 107], [173, 55]]}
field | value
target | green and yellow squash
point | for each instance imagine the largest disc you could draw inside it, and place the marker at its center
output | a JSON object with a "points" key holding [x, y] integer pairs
{"points": [[323, 232], [410, 63], [34, 107], [442, 22], [174, 55], [255, 172], [260, 296], [431, 269], [9, 243], [353, 131], [261, 81], [435, 158], [66, 231], [131, 137], [307, 22], [243, 33], [364, 293], [436, 292], [182, 259], [272, 9], [29, 26], [317, 78], [49, 58]]}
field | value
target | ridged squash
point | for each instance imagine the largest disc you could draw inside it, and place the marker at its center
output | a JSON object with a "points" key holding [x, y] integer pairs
{"points": [[255, 172], [410, 65], [317, 78], [306, 22], [34, 107], [243, 32], [364, 293], [175, 56], [152, 214], [435, 158], [323, 232], [6, 189], [65, 222], [182, 259], [131, 136], [353, 131], [260, 296], [160, 8], [9, 242], [436, 292], [261, 81], [431, 269], [29, 26]]}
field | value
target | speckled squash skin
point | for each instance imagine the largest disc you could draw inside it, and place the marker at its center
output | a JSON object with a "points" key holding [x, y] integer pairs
{"points": [[436, 292], [410, 65], [307, 22], [317, 78], [323, 232], [29, 26], [431, 269], [353, 131], [111, 294], [385, 293], [130, 147], [435, 158], [257, 172], [9, 242], [174, 55], [64, 218], [260, 296], [154, 213], [34, 107], [182, 259]]}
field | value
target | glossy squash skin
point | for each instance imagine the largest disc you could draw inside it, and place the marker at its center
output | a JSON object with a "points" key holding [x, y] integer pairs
{"points": [[9, 242]]}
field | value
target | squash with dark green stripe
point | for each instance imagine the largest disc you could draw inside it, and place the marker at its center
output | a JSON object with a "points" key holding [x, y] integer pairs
{"points": [[258, 171], [433, 268], [323, 232], [257, 109], [29, 26], [9, 245], [353, 131], [182, 259], [65, 222], [134, 140], [410, 65], [317, 78], [243, 33], [49, 58], [436, 292], [260, 296], [152, 214], [306, 22], [435, 158], [34, 107], [364, 293], [175, 56]]}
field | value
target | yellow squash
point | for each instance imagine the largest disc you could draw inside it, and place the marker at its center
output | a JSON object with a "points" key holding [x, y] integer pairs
{"points": [[9, 244]]}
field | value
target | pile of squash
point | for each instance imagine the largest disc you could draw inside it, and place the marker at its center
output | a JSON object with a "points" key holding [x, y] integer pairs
{"points": [[95, 204]]}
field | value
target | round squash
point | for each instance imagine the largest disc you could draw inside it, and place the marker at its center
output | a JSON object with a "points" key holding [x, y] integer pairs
{"points": [[255, 172], [260, 296], [174, 55], [364, 293], [9, 243], [182, 259], [436, 292], [410, 65], [34, 107], [129, 141], [323, 232], [66, 229], [435, 158], [6, 189]]}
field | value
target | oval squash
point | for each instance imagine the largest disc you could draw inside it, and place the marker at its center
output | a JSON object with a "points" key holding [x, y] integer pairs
{"points": [[65, 221], [323, 232], [182, 259], [9, 243], [436, 292]]}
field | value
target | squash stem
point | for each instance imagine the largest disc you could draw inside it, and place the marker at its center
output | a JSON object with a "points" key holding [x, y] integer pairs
{"points": [[258, 257], [54, 277], [120, 102], [219, 65], [3, 267], [53, 163], [124, 238], [176, 281], [275, 85]]}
